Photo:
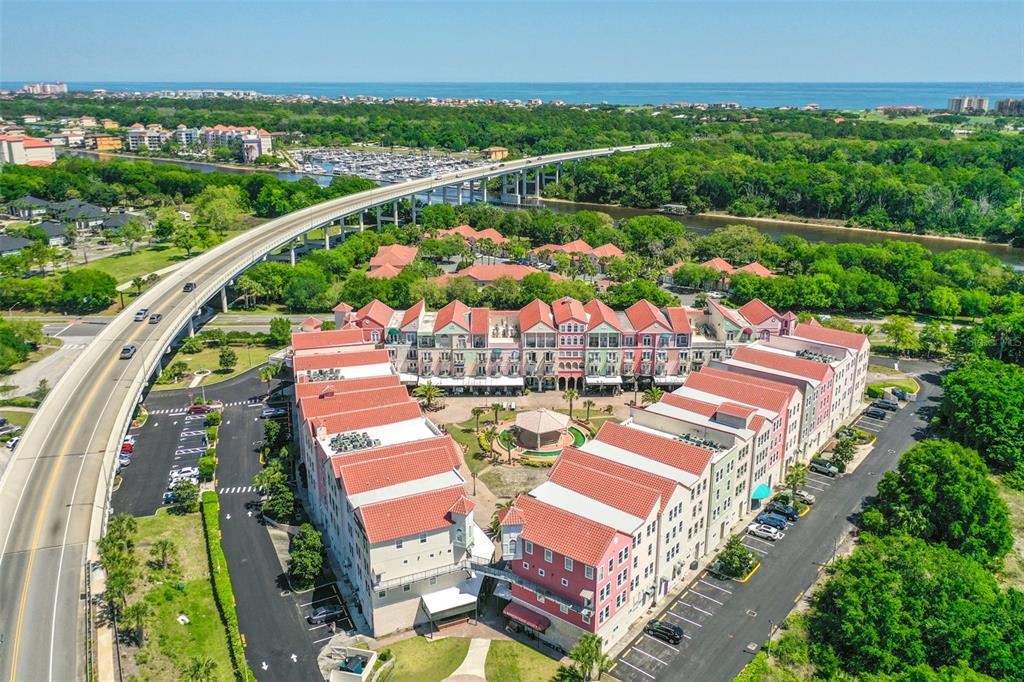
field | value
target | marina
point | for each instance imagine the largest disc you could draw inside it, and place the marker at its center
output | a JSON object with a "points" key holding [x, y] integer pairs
{"points": [[381, 166]]}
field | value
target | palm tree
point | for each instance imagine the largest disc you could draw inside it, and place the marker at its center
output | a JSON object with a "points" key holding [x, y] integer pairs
{"points": [[428, 393], [796, 477], [478, 412], [495, 522], [589, 404], [652, 395], [569, 396], [700, 301], [199, 669], [137, 614], [496, 407], [138, 283], [491, 434], [163, 551], [268, 372]]}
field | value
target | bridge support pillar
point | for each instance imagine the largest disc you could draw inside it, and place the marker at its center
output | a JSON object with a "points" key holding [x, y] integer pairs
{"points": [[483, 187], [413, 199], [538, 182], [395, 212], [558, 172], [291, 253], [327, 236], [458, 193], [522, 186], [191, 326], [305, 238], [224, 299], [378, 219], [361, 225]]}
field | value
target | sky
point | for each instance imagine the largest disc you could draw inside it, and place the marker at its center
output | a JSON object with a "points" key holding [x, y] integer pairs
{"points": [[511, 41]]}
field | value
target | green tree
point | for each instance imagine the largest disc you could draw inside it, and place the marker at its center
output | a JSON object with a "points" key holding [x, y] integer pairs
{"points": [[137, 614], [306, 555], [167, 222], [428, 393], [268, 372], [588, 655], [796, 477], [438, 217], [936, 338], [163, 552], [227, 359], [84, 289], [843, 452], [943, 301], [983, 408], [478, 412], [899, 330], [186, 497], [280, 331], [735, 560], [569, 396], [199, 669], [496, 408], [191, 237], [131, 233], [219, 208], [589, 404], [651, 395]]}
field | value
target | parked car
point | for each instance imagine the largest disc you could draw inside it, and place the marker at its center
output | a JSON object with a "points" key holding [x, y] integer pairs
{"points": [[155, 317], [127, 352], [823, 466], [272, 412], [890, 405], [765, 532], [124, 460], [175, 481], [189, 286], [185, 472], [874, 413], [141, 314], [129, 438], [325, 614], [3, 421], [200, 409], [127, 448], [805, 497], [13, 443], [168, 497], [787, 511], [900, 394], [664, 631], [773, 520]]}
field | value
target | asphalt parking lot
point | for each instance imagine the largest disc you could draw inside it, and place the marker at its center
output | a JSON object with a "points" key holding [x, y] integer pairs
{"points": [[721, 618]]}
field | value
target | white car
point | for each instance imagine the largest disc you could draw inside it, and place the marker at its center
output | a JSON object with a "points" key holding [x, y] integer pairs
{"points": [[185, 472], [175, 481], [130, 439], [765, 532]]}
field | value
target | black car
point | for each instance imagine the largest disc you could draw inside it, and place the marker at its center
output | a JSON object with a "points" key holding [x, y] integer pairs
{"points": [[189, 286], [874, 413], [785, 510], [664, 631], [773, 520], [324, 614], [890, 405]]}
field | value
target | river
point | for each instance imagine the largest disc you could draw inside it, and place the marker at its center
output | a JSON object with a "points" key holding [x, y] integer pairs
{"points": [[702, 224]]}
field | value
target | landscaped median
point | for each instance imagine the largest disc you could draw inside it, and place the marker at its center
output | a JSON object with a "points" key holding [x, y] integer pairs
{"points": [[223, 593]]}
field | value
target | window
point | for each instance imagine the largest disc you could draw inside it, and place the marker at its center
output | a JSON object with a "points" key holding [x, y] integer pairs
{"points": [[588, 572], [458, 536], [548, 556], [423, 537], [398, 544], [512, 546], [526, 566], [586, 618], [406, 587], [563, 608], [565, 582], [382, 594], [540, 598], [540, 572], [568, 564], [529, 547], [433, 580]]}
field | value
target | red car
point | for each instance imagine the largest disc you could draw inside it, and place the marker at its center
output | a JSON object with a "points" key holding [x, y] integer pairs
{"points": [[127, 448], [200, 409]]}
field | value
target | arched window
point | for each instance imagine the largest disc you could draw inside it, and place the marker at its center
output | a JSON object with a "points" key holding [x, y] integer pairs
{"points": [[512, 546], [458, 536]]}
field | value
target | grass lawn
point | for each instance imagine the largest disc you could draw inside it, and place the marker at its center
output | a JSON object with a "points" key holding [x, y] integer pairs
{"points": [[209, 358], [19, 418], [184, 589], [908, 384], [882, 369], [49, 346], [1012, 574], [510, 661], [418, 659]]}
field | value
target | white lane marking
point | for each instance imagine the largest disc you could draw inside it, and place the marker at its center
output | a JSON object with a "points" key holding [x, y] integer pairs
{"points": [[757, 539], [704, 582], [655, 639], [695, 608], [324, 639], [814, 487], [641, 651], [707, 597], [685, 620], [755, 549], [639, 670]]}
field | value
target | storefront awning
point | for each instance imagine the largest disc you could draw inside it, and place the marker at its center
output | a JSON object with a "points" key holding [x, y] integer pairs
{"points": [[673, 379], [449, 599], [527, 617], [761, 492], [604, 381]]}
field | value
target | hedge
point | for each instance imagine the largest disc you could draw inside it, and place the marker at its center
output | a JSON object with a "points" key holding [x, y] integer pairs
{"points": [[221, 579]]}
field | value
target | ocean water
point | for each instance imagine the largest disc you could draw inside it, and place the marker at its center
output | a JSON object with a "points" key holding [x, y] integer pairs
{"points": [[826, 95]]}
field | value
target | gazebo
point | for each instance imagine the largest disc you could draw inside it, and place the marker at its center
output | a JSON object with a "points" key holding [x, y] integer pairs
{"points": [[541, 427]]}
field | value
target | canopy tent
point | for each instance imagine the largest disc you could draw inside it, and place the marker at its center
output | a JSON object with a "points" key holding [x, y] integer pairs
{"points": [[452, 600], [527, 617], [761, 492], [537, 428]]}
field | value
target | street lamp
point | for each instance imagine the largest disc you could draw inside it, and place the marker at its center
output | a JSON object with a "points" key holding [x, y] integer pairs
{"points": [[771, 629]]}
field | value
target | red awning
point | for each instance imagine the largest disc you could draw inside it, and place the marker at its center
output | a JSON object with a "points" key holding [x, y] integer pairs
{"points": [[529, 618]]}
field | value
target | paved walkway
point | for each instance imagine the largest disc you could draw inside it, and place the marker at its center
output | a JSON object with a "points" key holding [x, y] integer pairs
{"points": [[474, 665]]}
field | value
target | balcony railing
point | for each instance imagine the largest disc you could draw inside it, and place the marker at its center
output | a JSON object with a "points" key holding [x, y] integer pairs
{"points": [[510, 577], [381, 584]]}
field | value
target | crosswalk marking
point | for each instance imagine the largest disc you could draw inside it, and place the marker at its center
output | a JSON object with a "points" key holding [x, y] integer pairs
{"points": [[232, 490], [178, 411]]}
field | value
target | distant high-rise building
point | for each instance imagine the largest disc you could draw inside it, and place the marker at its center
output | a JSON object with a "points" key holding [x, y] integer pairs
{"points": [[1010, 107], [44, 88], [967, 104]]}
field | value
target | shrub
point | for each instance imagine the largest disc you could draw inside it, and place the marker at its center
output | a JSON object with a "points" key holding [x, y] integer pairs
{"points": [[735, 560], [211, 452], [875, 392], [213, 419], [211, 434], [207, 468]]}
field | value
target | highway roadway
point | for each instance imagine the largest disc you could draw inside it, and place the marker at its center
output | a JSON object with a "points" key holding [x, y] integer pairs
{"points": [[54, 491]]}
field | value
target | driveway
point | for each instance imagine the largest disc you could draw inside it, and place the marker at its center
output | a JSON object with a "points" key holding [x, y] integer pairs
{"points": [[720, 618]]}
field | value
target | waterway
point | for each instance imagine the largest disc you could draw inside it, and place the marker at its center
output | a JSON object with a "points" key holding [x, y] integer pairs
{"points": [[702, 224]]}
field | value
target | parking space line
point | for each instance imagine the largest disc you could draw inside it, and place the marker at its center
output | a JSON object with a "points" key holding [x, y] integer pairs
{"points": [[639, 670], [641, 651], [317, 641], [317, 601], [655, 639], [754, 549], [695, 608], [687, 620], [814, 487], [707, 597], [317, 627], [757, 539], [704, 582]]}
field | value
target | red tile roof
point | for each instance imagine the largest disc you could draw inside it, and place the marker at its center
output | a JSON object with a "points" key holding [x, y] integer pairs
{"points": [[607, 251], [757, 311], [343, 308], [398, 465], [664, 486], [668, 451], [409, 516], [468, 232], [463, 506], [394, 254], [39, 162], [310, 323], [600, 313], [836, 337], [810, 369], [489, 273], [735, 409], [352, 401], [573, 247], [678, 320], [413, 313], [385, 271], [623, 494], [771, 395], [511, 517], [339, 360], [547, 526], [332, 338], [361, 420], [455, 312], [690, 404], [329, 389], [533, 313], [728, 313], [643, 315], [493, 235], [376, 312], [756, 268], [719, 264], [479, 320], [567, 308]]}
